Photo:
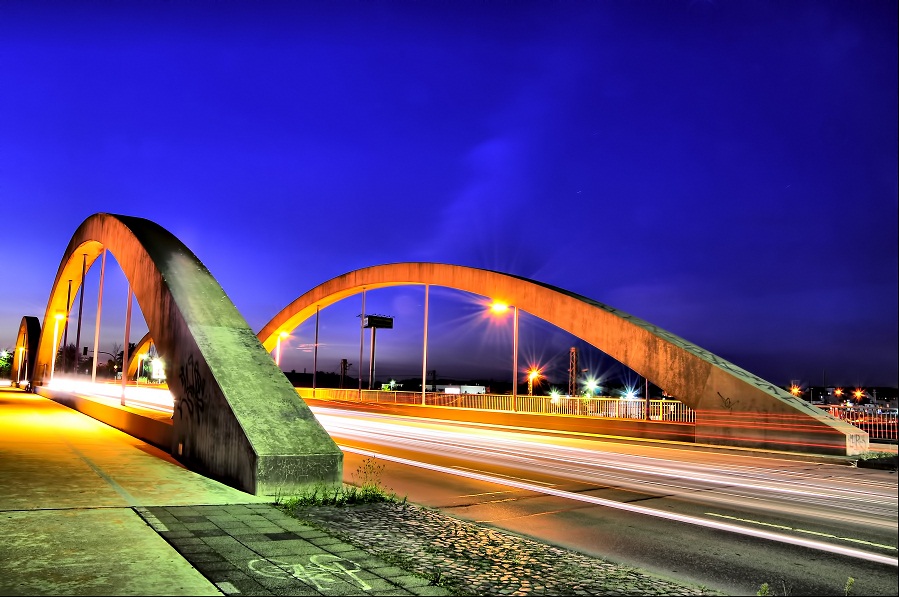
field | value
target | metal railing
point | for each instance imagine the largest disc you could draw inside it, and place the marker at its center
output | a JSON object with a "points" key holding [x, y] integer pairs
{"points": [[880, 424], [600, 406]]}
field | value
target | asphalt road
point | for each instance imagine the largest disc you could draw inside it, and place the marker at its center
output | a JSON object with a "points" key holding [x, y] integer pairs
{"points": [[727, 521]]}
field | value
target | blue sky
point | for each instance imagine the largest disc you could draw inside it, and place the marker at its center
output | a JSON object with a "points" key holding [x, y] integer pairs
{"points": [[725, 170]]}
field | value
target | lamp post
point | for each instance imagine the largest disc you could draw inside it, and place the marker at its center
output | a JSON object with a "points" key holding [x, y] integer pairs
{"points": [[533, 374], [19, 375], [57, 318], [140, 360], [591, 392], [424, 358], [278, 348], [501, 307], [99, 310], [127, 339]]}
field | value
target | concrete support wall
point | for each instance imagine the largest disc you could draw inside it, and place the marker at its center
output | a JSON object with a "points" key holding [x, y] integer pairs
{"points": [[236, 416], [734, 407]]}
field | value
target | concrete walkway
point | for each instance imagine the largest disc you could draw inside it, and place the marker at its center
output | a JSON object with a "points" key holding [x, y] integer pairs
{"points": [[88, 510]]}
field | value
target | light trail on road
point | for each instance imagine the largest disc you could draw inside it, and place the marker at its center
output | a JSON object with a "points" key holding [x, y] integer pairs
{"points": [[846, 551], [782, 488]]}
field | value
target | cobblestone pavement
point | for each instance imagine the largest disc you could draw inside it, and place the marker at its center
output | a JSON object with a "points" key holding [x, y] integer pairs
{"points": [[256, 549], [470, 559]]}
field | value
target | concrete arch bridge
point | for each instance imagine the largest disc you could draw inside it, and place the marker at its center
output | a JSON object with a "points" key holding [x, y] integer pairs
{"points": [[249, 431], [733, 406], [238, 419]]}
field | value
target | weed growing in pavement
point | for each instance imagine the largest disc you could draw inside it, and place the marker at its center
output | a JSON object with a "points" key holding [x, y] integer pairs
{"points": [[367, 490], [764, 589]]}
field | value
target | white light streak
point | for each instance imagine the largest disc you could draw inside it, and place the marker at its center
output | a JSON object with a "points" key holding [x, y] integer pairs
{"points": [[730, 528]]}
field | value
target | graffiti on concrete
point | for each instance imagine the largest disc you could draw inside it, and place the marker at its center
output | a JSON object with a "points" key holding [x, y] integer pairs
{"points": [[726, 402], [858, 442], [321, 570], [193, 386]]}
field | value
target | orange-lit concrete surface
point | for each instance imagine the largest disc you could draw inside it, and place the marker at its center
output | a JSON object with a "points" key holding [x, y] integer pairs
{"points": [[68, 486], [733, 406]]}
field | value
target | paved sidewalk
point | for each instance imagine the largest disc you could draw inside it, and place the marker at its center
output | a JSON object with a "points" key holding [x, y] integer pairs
{"points": [[255, 549], [88, 510]]}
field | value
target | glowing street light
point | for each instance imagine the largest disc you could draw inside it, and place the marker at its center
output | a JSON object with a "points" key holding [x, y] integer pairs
{"points": [[555, 396], [838, 392], [533, 375], [57, 318], [278, 348], [858, 394], [794, 389], [499, 307]]}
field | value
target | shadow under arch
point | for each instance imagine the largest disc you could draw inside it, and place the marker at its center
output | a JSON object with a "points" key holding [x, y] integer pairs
{"points": [[236, 415], [25, 353], [733, 406]]}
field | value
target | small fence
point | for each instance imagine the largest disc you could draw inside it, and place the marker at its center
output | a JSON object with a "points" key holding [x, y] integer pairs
{"points": [[879, 425], [600, 406]]}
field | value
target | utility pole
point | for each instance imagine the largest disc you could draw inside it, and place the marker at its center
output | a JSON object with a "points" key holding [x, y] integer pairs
{"points": [[344, 365]]}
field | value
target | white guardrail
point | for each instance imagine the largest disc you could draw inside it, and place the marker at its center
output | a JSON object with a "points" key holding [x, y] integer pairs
{"points": [[600, 406], [879, 423]]}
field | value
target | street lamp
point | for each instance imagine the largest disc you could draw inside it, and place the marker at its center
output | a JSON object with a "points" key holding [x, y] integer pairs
{"points": [[57, 318], [278, 348], [499, 307], [19, 375], [533, 374], [140, 360], [555, 396]]}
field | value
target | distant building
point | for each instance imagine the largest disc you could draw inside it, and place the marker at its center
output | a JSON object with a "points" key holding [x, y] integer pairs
{"points": [[457, 389]]}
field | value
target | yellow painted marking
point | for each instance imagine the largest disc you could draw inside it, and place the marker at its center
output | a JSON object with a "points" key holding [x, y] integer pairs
{"points": [[474, 470], [807, 532]]}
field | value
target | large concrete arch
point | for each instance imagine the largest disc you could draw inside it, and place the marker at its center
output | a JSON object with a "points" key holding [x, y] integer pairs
{"points": [[25, 352], [733, 406], [142, 346], [236, 415]]}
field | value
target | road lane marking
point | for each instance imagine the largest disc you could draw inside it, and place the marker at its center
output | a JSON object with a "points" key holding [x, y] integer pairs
{"points": [[806, 531], [712, 524], [479, 472], [485, 493]]}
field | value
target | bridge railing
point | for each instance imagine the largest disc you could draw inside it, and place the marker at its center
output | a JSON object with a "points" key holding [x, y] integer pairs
{"points": [[879, 425], [599, 406]]}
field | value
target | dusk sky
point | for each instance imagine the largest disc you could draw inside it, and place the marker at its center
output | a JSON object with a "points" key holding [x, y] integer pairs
{"points": [[726, 170]]}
